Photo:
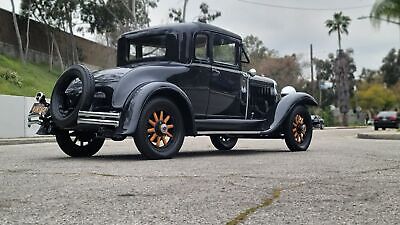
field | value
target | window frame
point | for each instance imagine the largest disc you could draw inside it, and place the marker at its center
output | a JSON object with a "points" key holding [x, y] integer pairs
{"points": [[237, 43], [208, 51]]}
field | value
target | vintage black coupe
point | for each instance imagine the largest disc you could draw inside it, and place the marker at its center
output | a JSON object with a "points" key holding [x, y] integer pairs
{"points": [[170, 82]]}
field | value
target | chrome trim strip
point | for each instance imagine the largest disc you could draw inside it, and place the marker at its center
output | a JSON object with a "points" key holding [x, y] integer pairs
{"points": [[98, 114], [98, 118], [98, 122], [248, 97], [227, 132]]}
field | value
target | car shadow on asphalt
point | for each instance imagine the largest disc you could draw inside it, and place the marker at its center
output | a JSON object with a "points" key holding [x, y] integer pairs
{"points": [[180, 155]]}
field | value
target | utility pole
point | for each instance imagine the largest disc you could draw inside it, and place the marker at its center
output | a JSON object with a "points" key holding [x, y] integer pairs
{"points": [[184, 11], [312, 70]]}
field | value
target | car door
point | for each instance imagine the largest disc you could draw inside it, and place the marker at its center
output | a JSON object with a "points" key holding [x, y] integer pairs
{"points": [[196, 82], [226, 80]]}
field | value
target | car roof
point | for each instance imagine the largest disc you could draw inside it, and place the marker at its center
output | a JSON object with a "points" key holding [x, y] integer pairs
{"points": [[185, 27]]}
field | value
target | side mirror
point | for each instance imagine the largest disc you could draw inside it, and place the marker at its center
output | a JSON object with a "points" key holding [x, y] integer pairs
{"points": [[252, 72]]}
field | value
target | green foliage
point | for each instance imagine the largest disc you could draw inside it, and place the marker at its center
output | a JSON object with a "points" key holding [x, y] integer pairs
{"points": [[11, 76], [386, 10], [391, 68], [36, 77], [375, 97], [206, 14], [339, 24]]}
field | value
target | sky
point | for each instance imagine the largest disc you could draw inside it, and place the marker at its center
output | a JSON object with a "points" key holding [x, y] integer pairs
{"points": [[289, 26]]}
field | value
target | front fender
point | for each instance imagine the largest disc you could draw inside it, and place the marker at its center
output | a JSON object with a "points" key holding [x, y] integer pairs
{"points": [[286, 105], [140, 96]]}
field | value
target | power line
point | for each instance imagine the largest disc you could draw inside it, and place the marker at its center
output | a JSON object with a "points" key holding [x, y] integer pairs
{"points": [[302, 8]]}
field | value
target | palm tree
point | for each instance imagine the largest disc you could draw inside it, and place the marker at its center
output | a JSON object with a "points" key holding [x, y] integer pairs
{"points": [[338, 24], [386, 10]]}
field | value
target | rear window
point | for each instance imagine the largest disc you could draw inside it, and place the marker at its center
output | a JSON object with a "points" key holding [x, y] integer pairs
{"points": [[155, 47], [387, 114]]}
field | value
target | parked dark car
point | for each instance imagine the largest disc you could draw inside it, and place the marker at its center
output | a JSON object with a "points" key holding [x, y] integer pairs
{"points": [[387, 119], [317, 122], [170, 82]]}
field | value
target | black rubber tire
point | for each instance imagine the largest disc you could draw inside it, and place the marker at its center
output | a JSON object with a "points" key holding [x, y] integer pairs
{"points": [[223, 142], [376, 128], [142, 137], [290, 136], [57, 98], [70, 147], [383, 128], [321, 126]]}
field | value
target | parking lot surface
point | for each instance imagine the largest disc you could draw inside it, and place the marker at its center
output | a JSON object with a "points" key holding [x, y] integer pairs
{"points": [[340, 180]]}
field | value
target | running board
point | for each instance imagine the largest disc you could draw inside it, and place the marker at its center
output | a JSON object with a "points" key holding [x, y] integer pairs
{"points": [[98, 118], [228, 132]]}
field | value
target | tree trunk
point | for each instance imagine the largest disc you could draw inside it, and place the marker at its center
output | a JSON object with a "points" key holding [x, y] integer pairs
{"points": [[184, 11], [339, 40], [75, 57], [57, 50], [21, 50], [51, 54], [27, 31]]}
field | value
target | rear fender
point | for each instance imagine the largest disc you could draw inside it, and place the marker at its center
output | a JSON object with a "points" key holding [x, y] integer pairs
{"points": [[286, 105], [140, 96]]}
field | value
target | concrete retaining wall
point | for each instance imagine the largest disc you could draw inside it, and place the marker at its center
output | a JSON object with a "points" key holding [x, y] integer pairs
{"points": [[13, 117]]}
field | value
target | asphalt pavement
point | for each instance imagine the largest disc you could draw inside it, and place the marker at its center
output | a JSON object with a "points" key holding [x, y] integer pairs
{"points": [[340, 180]]}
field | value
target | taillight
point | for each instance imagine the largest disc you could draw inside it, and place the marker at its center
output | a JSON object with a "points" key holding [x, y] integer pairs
{"points": [[392, 118], [376, 118]]}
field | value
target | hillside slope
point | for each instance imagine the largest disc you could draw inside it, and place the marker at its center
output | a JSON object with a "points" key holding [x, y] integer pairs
{"points": [[25, 80]]}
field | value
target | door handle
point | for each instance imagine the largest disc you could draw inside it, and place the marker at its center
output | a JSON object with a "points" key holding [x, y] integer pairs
{"points": [[215, 72]]}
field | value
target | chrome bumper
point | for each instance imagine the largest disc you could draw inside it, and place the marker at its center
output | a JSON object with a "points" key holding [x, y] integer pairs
{"points": [[98, 118]]}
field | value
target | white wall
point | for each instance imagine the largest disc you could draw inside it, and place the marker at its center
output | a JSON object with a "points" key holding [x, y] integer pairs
{"points": [[13, 117]]}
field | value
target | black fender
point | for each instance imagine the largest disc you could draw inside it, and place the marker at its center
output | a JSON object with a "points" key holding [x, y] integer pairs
{"points": [[286, 105], [141, 95]]}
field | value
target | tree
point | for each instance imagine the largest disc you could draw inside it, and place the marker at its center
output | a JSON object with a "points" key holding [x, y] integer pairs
{"points": [[256, 50], [339, 24], [21, 50], [114, 17], [375, 97], [388, 10], [43, 11], [206, 15], [391, 68]]}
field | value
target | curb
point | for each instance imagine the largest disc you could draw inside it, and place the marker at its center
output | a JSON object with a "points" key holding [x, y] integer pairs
{"points": [[22, 141], [387, 136]]}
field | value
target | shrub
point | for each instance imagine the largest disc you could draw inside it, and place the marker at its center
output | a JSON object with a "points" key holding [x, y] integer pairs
{"points": [[11, 76]]}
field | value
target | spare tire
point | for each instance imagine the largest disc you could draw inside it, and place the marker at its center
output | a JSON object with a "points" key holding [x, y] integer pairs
{"points": [[64, 107]]}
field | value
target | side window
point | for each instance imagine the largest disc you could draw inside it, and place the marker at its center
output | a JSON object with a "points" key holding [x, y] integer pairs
{"points": [[224, 50], [200, 48]]}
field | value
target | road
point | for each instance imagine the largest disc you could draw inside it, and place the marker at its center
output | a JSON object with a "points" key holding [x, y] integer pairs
{"points": [[340, 180]]}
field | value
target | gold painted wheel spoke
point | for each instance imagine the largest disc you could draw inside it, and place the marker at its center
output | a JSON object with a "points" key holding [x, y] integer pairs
{"points": [[170, 126], [158, 141], [153, 137], [169, 134], [155, 116], [152, 123], [166, 119], [161, 115], [164, 140], [151, 130]]}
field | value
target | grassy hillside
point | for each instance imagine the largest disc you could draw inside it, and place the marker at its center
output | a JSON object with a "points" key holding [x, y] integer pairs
{"points": [[25, 80]]}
